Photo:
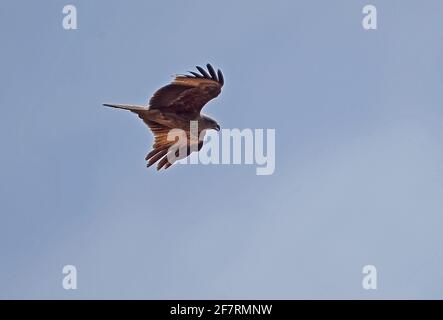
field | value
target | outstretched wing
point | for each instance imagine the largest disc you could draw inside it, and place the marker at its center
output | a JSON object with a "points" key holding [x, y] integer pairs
{"points": [[161, 144], [189, 93], [166, 152]]}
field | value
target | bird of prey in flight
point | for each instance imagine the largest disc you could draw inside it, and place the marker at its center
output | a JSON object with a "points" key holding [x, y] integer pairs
{"points": [[175, 106]]}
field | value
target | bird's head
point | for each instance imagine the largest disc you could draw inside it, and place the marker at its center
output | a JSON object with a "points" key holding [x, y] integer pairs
{"points": [[210, 123]]}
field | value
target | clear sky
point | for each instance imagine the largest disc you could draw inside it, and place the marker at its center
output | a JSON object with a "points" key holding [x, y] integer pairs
{"points": [[359, 160]]}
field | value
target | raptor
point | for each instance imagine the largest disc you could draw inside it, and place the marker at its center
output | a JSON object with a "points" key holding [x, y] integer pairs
{"points": [[176, 106]]}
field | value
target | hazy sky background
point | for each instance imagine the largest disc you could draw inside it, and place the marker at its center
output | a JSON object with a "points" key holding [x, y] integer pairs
{"points": [[359, 160]]}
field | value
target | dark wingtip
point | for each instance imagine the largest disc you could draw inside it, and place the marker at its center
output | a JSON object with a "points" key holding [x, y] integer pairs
{"points": [[220, 77], [212, 72], [203, 72], [196, 74], [151, 154], [216, 76], [167, 165]]}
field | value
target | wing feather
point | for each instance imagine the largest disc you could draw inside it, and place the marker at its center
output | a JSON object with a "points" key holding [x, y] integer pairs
{"points": [[212, 72], [188, 93]]}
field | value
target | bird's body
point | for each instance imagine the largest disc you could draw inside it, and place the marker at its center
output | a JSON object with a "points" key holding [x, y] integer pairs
{"points": [[177, 106]]}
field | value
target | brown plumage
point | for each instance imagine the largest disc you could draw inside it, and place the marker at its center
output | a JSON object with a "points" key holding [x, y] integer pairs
{"points": [[173, 107]]}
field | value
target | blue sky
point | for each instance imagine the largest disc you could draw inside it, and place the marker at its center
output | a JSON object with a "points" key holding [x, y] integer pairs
{"points": [[359, 160]]}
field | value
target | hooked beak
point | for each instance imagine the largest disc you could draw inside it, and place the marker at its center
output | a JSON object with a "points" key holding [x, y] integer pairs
{"points": [[217, 127]]}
